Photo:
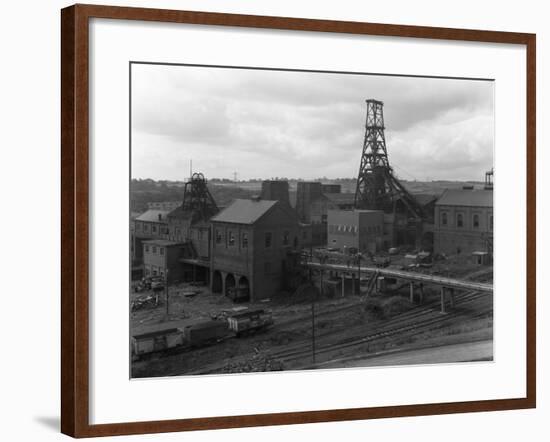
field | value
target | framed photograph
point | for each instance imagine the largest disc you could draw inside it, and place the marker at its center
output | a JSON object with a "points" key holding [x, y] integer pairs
{"points": [[272, 220]]}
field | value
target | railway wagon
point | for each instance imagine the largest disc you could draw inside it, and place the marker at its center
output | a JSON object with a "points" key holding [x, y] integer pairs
{"points": [[205, 333], [250, 321], [156, 341]]}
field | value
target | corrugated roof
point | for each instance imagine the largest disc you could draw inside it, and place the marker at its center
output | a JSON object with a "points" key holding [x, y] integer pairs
{"points": [[152, 215], [244, 211], [469, 198]]}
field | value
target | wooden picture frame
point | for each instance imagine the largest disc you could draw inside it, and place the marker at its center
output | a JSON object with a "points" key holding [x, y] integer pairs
{"points": [[75, 219]]}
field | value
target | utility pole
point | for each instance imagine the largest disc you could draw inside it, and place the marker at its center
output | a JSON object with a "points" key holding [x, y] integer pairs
{"points": [[359, 268], [313, 324], [166, 292], [322, 260]]}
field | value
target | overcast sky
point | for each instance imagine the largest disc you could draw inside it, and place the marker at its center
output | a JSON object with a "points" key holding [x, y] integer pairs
{"points": [[264, 124]]}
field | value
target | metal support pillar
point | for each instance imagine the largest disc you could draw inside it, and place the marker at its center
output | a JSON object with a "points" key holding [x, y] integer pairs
{"points": [[313, 326], [452, 297], [442, 299], [353, 284], [343, 283], [411, 290], [421, 293]]}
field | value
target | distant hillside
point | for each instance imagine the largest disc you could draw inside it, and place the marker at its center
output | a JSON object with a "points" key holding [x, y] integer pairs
{"points": [[437, 187], [144, 191]]}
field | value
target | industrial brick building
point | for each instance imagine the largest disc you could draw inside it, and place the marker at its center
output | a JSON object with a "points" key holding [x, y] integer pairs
{"points": [[161, 258], [250, 248], [182, 233], [356, 230], [275, 190], [152, 224], [314, 200], [464, 222]]}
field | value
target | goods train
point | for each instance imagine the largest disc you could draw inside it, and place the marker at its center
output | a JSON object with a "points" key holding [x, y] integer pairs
{"points": [[201, 334]]}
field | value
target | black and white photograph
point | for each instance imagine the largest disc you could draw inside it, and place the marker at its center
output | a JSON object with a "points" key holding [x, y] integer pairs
{"points": [[297, 220]]}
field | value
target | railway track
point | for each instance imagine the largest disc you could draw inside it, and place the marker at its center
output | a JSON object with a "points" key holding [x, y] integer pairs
{"points": [[422, 320], [410, 323], [360, 302], [429, 308]]}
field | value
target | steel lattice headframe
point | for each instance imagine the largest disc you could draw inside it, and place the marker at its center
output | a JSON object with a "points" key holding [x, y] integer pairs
{"points": [[377, 187], [197, 198]]}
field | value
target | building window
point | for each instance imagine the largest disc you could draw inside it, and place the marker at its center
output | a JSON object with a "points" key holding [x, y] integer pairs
{"points": [[146, 248], [304, 234], [475, 221], [231, 239], [218, 236], [286, 238], [459, 220], [145, 227], [161, 250], [444, 219], [268, 239], [154, 229], [491, 222], [154, 249], [244, 241]]}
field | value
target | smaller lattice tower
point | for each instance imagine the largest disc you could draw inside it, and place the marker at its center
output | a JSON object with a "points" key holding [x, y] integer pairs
{"points": [[197, 199], [377, 187]]}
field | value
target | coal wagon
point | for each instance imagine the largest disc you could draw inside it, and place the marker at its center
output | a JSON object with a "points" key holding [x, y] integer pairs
{"points": [[250, 321], [156, 341], [205, 333]]}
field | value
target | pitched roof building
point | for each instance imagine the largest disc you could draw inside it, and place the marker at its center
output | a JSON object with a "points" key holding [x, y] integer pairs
{"points": [[464, 222], [251, 241]]}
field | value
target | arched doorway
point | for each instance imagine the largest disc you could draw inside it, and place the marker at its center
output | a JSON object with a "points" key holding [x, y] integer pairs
{"points": [[217, 283], [230, 283], [244, 289]]}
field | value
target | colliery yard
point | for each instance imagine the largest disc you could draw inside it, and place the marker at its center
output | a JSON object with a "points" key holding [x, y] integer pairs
{"points": [[311, 332], [313, 277]]}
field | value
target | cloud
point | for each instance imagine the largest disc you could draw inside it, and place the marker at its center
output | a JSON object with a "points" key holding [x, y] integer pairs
{"points": [[294, 124]]}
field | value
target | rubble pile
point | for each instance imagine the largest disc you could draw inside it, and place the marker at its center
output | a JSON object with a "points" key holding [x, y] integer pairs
{"points": [[256, 364]]}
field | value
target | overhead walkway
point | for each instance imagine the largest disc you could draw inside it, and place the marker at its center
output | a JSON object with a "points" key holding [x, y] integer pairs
{"points": [[409, 276]]}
